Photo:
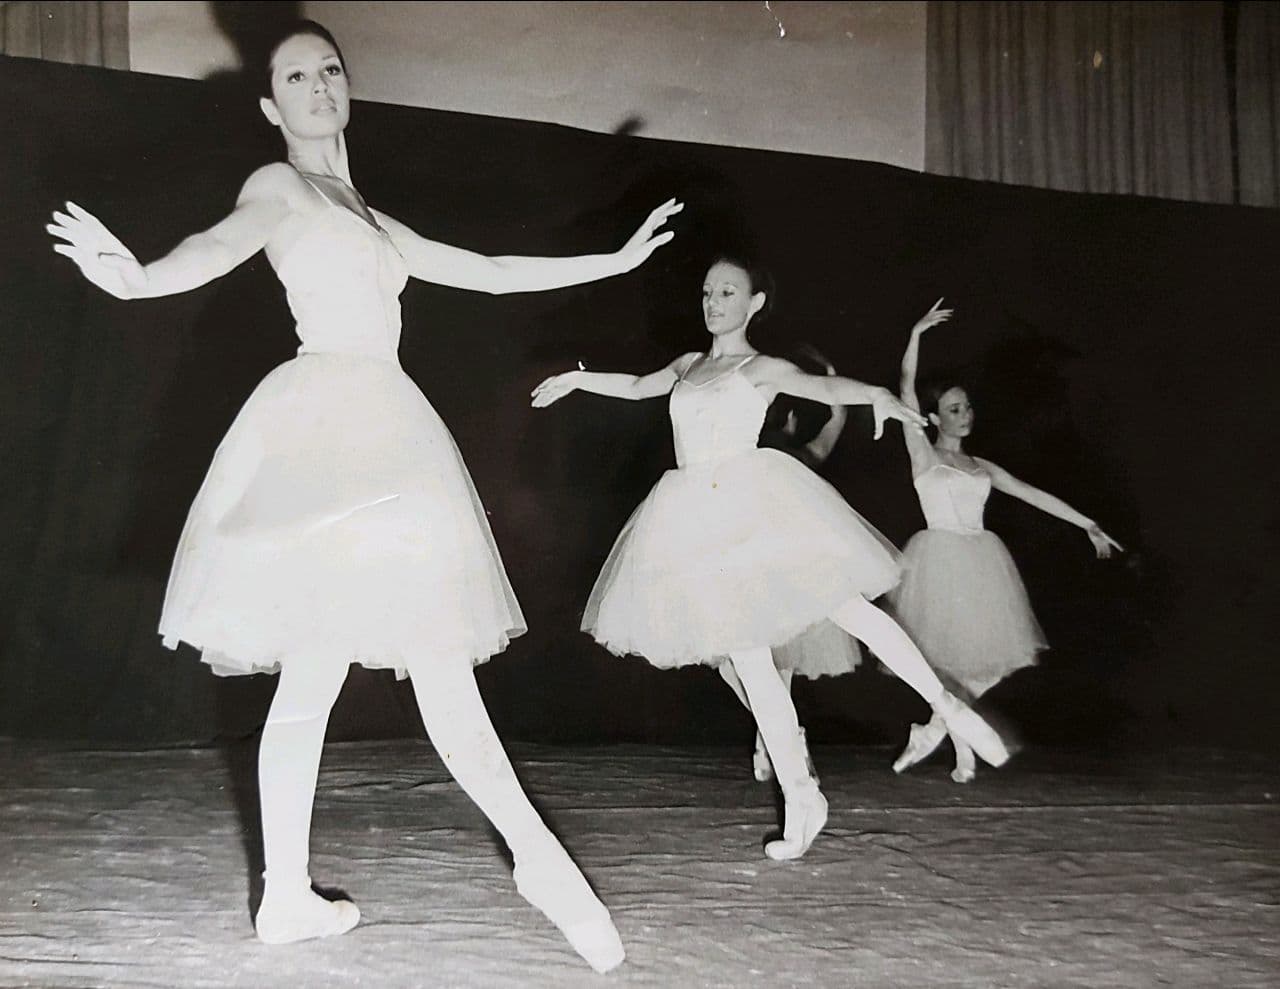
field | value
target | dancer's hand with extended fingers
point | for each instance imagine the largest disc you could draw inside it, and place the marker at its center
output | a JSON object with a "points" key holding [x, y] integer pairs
{"points": [[1102, 543], [932, 318], [97, 252], [886, 405], [646, 239], [554, 388]]}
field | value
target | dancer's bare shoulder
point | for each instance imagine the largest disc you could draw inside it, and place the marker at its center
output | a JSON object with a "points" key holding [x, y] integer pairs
{"points": [[278, 182]]}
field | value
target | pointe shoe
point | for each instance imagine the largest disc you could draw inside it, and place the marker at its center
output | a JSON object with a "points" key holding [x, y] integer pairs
{"points": [[301, 914], [962, 774], [921, 742], [965, 723], [559, 890], [806, 812]]}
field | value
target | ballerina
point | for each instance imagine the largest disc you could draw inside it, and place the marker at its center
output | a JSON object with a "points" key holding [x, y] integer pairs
{"points": [[961, 597], [808, 432], [741, 549], [337, 522]]}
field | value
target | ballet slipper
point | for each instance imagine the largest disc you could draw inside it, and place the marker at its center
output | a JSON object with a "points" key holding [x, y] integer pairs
{"points": [[559, 890], [293, 912], [806, 813], [921, 743], [964, 723]]}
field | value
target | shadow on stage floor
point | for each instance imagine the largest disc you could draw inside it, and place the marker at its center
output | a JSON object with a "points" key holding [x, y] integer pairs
{"points": [[1066, 868]]}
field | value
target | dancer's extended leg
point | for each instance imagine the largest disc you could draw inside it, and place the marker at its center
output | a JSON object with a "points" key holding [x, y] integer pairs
{"points": [[860, 618], [460, 729]]}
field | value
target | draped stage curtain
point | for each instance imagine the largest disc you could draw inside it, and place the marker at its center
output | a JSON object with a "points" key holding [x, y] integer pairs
{"points": [[80, 33], [1258, 99], [1155, 99]]}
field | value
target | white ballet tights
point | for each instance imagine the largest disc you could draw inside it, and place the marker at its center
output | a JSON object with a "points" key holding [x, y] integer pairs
{"points": [[460, 729], [458, 725], [769, 700], [885, 637], [289, 764], [731, 678]]}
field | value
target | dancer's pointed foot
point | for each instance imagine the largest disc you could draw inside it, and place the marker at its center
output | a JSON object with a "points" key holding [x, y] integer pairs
{"points": [[964, 723], [921, 743], [294, 912], [553, 884], [806, 811]]}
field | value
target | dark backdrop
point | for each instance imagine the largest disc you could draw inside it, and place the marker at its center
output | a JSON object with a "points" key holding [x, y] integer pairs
{"points": [[1122, 353]]}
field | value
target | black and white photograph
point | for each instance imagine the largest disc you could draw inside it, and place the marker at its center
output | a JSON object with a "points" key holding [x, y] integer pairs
{"points": [[659, 494]]}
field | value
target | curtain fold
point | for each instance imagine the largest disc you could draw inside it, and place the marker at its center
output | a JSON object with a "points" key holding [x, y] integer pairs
{"points": [[1258, 102], [81, 33], [1121, 97]]}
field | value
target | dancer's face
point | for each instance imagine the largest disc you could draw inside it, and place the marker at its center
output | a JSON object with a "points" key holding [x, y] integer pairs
{"points": [[954, 417], [727, 300], [310, 97]]}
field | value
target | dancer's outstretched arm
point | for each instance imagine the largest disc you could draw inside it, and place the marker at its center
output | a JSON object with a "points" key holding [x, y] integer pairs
{"points": [[432, 261], [628, 386], [262, 204], [773, 375], [1002, 480]]}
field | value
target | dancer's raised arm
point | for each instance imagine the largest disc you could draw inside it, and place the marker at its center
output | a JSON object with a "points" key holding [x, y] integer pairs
{"points": [[443, 264], [911, 357], [918, 446]]}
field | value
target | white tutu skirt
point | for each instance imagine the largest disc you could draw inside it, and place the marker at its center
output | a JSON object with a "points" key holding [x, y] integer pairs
{"points": [[338, 524], [752, 551], [963, 602]]}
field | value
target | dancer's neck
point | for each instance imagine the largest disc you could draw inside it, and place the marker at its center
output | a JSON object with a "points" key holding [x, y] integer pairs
{"points": [[322, 159], [731, 345]]}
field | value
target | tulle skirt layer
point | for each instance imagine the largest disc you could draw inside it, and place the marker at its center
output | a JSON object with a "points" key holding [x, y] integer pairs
{"points": [[752, 551], [338, 524], [963, 602]]}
